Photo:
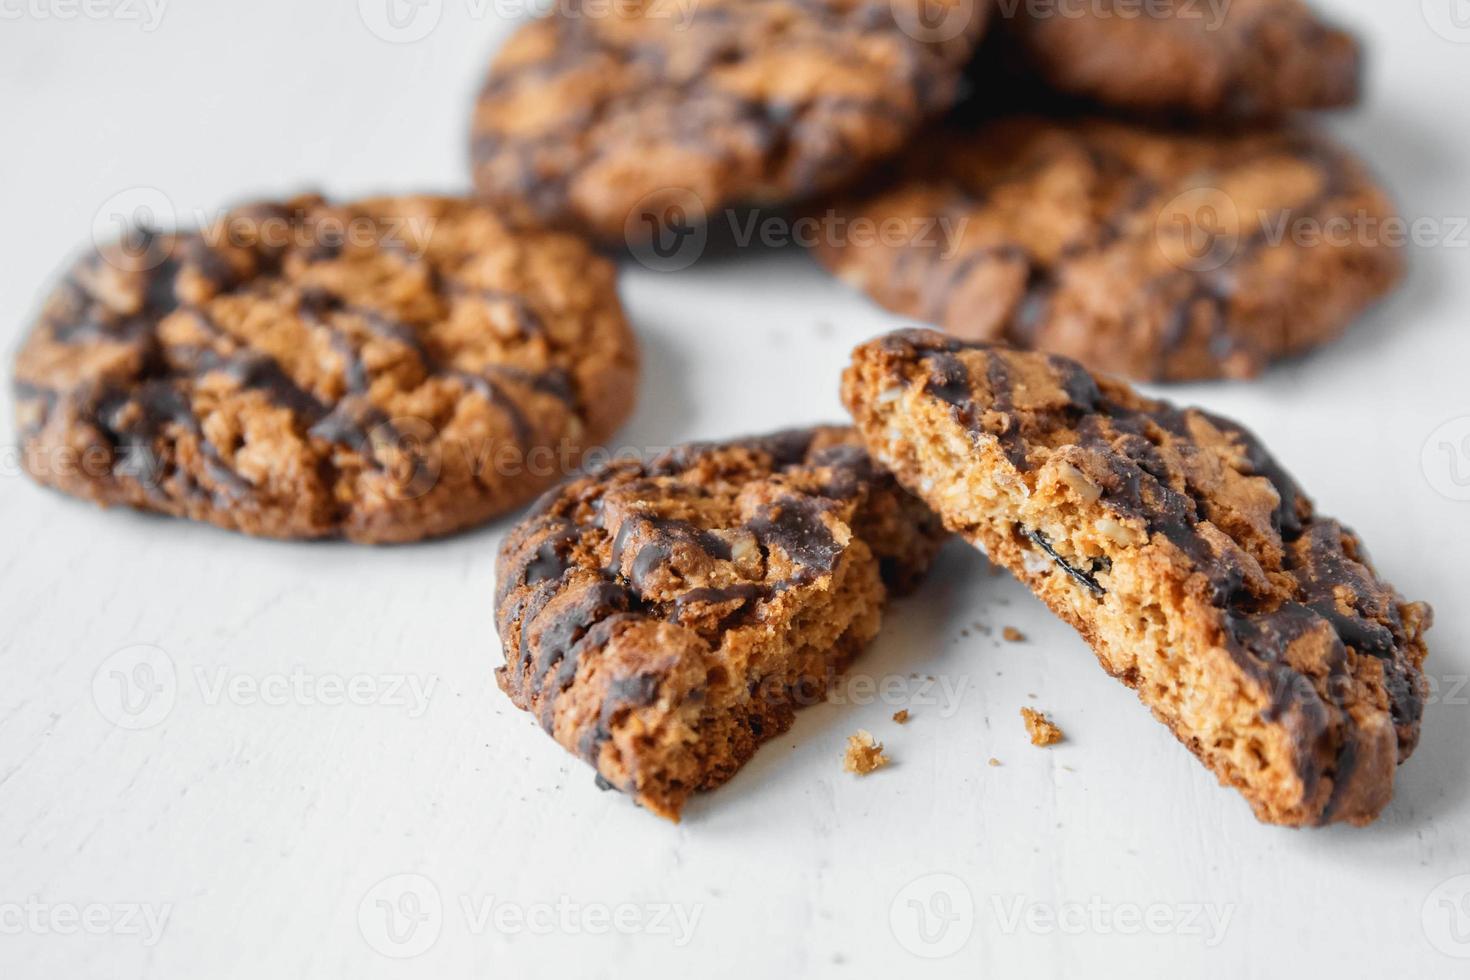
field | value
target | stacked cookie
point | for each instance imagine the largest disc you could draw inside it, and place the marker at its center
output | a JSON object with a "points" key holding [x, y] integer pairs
{"points": [[1129, 184], [401, 368]]}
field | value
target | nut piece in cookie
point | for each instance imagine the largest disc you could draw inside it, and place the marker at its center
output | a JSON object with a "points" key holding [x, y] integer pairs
{"points": [[1200, 574], [662, 619], [649, 116], [383, 371], [1241, 60], [1153, 253]]}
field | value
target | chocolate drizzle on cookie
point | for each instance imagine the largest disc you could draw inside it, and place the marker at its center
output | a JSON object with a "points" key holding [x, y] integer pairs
{"points": [[159, 347], [1320, 591], [1156, 266], [688, 89], [623, 549]]}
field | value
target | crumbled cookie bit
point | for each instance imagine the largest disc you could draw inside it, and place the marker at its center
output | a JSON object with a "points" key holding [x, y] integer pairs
{"points": [[1012, 635], [993, 761], [864, 754], [901, 716], [1040, 728]]}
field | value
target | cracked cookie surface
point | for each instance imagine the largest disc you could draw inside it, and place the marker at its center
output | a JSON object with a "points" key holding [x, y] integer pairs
{"points": [[1243, 60], [655, 114], [1157, 254], [662, 619], [384, 371], [1201, 575]]}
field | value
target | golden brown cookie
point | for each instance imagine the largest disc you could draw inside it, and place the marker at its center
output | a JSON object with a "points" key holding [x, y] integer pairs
{"points": [[1202, 577], [662, 619], [621, 119], [384, 371], [1161, 255], [1206, 59]]}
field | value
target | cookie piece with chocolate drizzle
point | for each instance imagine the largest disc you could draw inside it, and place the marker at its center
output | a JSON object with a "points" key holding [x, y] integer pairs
{"points": [[645, 117], [1201, 575], [662, 619], [1247, 60], [1156, 254], [383, 371]]}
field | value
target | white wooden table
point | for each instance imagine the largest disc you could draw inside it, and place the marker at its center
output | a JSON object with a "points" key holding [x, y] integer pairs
{"points": [[231, 758]]}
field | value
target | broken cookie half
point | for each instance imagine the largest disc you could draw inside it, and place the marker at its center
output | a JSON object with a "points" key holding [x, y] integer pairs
{"points": [[1256, 629], [662, 619]]}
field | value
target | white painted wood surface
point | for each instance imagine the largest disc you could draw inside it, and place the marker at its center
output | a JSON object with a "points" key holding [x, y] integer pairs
{"points": [[269, 829]]}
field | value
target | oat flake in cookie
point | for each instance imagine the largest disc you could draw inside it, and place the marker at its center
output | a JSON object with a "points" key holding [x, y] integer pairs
{"points": [[1206, 59], [1252, 626], [1157, 254], [383, 371], [662, 619], [620, 118]]}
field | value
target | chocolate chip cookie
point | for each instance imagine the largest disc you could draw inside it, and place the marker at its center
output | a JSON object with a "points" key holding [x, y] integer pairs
{"points": [[1205, 59], [624, 119], [383, 371], [1254, 627], [1158, 254], [662, 619]]}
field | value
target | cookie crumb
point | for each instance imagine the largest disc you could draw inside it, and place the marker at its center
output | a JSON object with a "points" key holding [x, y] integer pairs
{"points": [[993, 761], [864, 754], [1040, 728], [901, 716], [1013, 635]]}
